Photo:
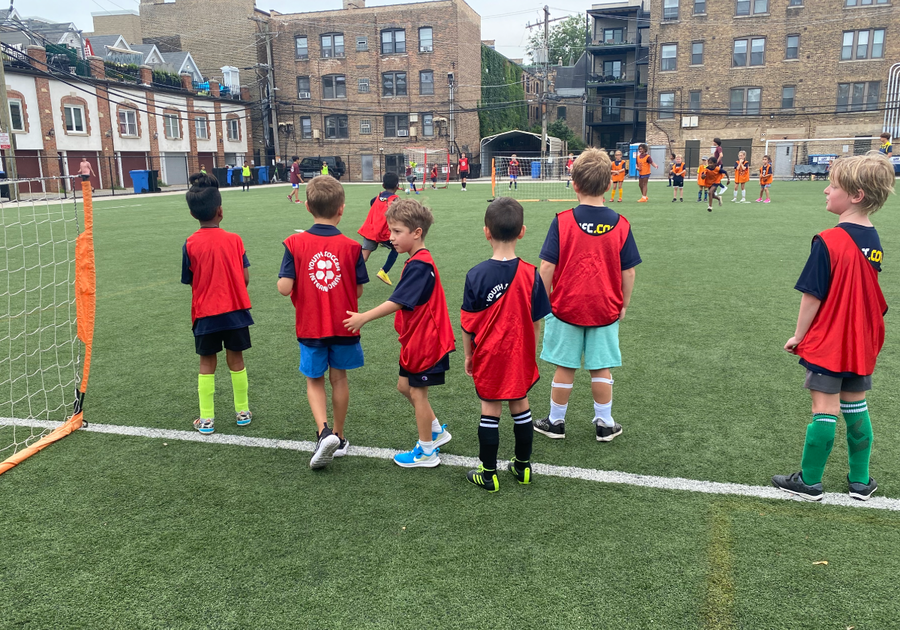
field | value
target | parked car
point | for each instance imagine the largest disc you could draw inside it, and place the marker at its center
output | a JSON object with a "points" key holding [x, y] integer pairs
{"points": [[312, 166]]}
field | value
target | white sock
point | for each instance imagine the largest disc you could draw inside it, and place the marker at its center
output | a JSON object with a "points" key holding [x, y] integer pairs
{"points": [[435, 426], [427, 447], [743, 194], [557, 412], [603, 414]]}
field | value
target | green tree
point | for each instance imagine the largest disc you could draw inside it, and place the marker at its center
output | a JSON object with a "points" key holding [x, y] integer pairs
{"points": [[567, 40], [559, 129], [502, 106]]}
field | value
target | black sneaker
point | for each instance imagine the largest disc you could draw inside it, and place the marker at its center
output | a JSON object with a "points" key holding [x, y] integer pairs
{"points": [[523, 476], [555, 431], [608, 434], [484, 478], [342, 447], [327, 444], [793, 484], [862, 491], [681, 199], [674, 200]]}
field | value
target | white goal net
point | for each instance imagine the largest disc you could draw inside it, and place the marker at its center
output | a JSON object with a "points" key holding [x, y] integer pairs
{"points": [[532, 178], [430, 166], [39, 349], [809, 158]]}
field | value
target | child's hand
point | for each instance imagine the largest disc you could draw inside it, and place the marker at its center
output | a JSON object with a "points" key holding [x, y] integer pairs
{"points": [[469, 366], [792, 343], [622, 313], [355, 321]]}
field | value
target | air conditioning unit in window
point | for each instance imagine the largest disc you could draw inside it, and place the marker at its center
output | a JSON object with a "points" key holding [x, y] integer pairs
{"points": [[316, 134], [413, 118], [690, 121], [402, 133], [304, 95]]}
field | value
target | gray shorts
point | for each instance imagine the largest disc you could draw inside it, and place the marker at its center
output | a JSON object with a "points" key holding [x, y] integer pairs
{"points": [[835, 384], [369, 245]]}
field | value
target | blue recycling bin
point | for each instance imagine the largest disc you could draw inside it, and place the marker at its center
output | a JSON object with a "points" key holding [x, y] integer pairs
{"points": [[140, 180], [632, 160], [263, 174], [536, 169], [235, 177]]}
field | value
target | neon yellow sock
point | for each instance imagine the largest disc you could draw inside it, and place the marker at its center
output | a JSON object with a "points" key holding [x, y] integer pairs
{"points": [[206, 387], [240, 386]]}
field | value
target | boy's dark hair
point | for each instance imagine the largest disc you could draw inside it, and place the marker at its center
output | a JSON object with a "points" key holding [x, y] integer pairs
{"points": [[504, 219], [711, 160], [390, 181], [644, 146], [717, 141], [294, 158], [204, 197], [325, 196], [885, 135], [767, 157]]}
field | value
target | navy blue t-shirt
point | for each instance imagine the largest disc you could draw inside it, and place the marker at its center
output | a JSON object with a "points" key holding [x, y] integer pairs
{"points": [[590, 218], [416, 285], [816, 276], [214, 323], [488, 281], [288, 270]]}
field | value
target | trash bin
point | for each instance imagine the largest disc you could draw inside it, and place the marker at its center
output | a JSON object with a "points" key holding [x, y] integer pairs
{"points": [[262, 174], [141, 181], [154, 181], [536, 169], [4, 188], [258, 174], [474, 171], [234, 177], [221, 175]]}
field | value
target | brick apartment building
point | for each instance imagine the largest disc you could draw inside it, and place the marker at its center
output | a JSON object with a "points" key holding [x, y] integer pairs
{"points": [[364, 83], [751, 70]]}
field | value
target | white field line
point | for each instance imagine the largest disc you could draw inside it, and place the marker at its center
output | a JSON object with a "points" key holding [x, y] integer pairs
{"points": [[548, 470]]}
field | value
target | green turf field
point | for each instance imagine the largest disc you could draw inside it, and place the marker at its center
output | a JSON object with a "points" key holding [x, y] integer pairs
{"points": [[106, 531]]}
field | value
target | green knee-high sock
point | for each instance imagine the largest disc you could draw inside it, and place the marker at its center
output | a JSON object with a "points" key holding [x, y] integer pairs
{"points": [[239, 385], [206, 387], [819, 440], [859, 439]]}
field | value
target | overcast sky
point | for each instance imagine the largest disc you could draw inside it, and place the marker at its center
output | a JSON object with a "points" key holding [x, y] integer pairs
{"points": [[501, 20]]}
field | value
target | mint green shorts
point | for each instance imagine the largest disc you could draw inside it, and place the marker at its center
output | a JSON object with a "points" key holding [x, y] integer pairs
{"points": [[565, 345]]}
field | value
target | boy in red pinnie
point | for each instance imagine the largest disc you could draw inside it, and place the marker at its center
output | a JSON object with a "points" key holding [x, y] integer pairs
{"points": [[503, 304], [375, 229]]}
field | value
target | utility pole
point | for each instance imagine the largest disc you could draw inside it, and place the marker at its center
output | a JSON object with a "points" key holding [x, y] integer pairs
{"points": [[271, 114], [450, 79], [546, 84], [6, 120]]}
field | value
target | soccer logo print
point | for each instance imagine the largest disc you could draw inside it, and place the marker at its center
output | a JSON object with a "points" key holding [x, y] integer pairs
{"points": [[325, 271]]}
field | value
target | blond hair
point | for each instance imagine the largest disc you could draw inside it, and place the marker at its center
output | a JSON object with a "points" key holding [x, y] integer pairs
{"points": [[592, 172], [324, 196], [410, 213], [872, 173]]}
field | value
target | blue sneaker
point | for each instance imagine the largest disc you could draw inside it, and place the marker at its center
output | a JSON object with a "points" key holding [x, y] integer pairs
{"points": [[417, 458], [243, 418], [441, 437], [205, 425]]}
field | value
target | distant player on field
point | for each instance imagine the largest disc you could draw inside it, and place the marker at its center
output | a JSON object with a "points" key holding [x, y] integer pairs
{"points": [[677, 178], [644, 162], [513, 172], [741, 176], [462, 168], [569, 163], [324, 272], [503, 303], [215, 264], [703, 192], [375, 230], [712, 177], [619, 171], [840, 328], [434, 176], [765, 180], [296, 179], [411, 177], [886, 147], [590, 242]]}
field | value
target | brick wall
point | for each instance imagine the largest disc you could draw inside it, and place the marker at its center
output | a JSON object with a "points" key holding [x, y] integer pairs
{"points": [[815, 73], [128, 25], [456, 32]]}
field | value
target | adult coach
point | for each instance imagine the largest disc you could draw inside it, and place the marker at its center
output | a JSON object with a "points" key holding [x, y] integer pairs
{"points": [[463, 168], [718, 154]]}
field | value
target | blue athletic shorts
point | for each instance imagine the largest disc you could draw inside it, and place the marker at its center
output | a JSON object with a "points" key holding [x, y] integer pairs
{"points": [[565, 345], [314, 362]]}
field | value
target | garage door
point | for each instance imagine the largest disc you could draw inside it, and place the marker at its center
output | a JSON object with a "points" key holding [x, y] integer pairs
{"points": [[176, 171], [132, 161]]}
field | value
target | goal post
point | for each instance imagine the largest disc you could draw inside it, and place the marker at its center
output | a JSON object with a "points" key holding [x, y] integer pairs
{"points": [[793, 157], [531, 179], [425, 159], [47, 311]]}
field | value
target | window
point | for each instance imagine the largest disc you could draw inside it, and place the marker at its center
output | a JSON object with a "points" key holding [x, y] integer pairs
{"points": [[302, 46], [863, 45], [393, 41], [426, 39], [428, 125], [560, 113], [337, 127], [694, 101], [697, 54], [396, 125], [74, 119], [363, 86], [172, 128], [699, 7], [787, 97], [757, 55], [670, 9], [303, 91], [857, 97], [666, 105], [17, 116], [365, 127], [745, 101], [752, 7], [306, 127], [795, 3], [393, 84], [613, 70], [863, 3], [200, 129], [667, 57], [333, 45], [426, 82], [614, 35], [362, 44], [334, 86], [234, 129], [792, 50], [127, 122], [612, 109]]}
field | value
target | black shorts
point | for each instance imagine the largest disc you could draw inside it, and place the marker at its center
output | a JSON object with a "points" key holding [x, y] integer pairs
{"points": [[236, 340], [85, 178], [431, 376], [463, 174], [678, 181]]}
